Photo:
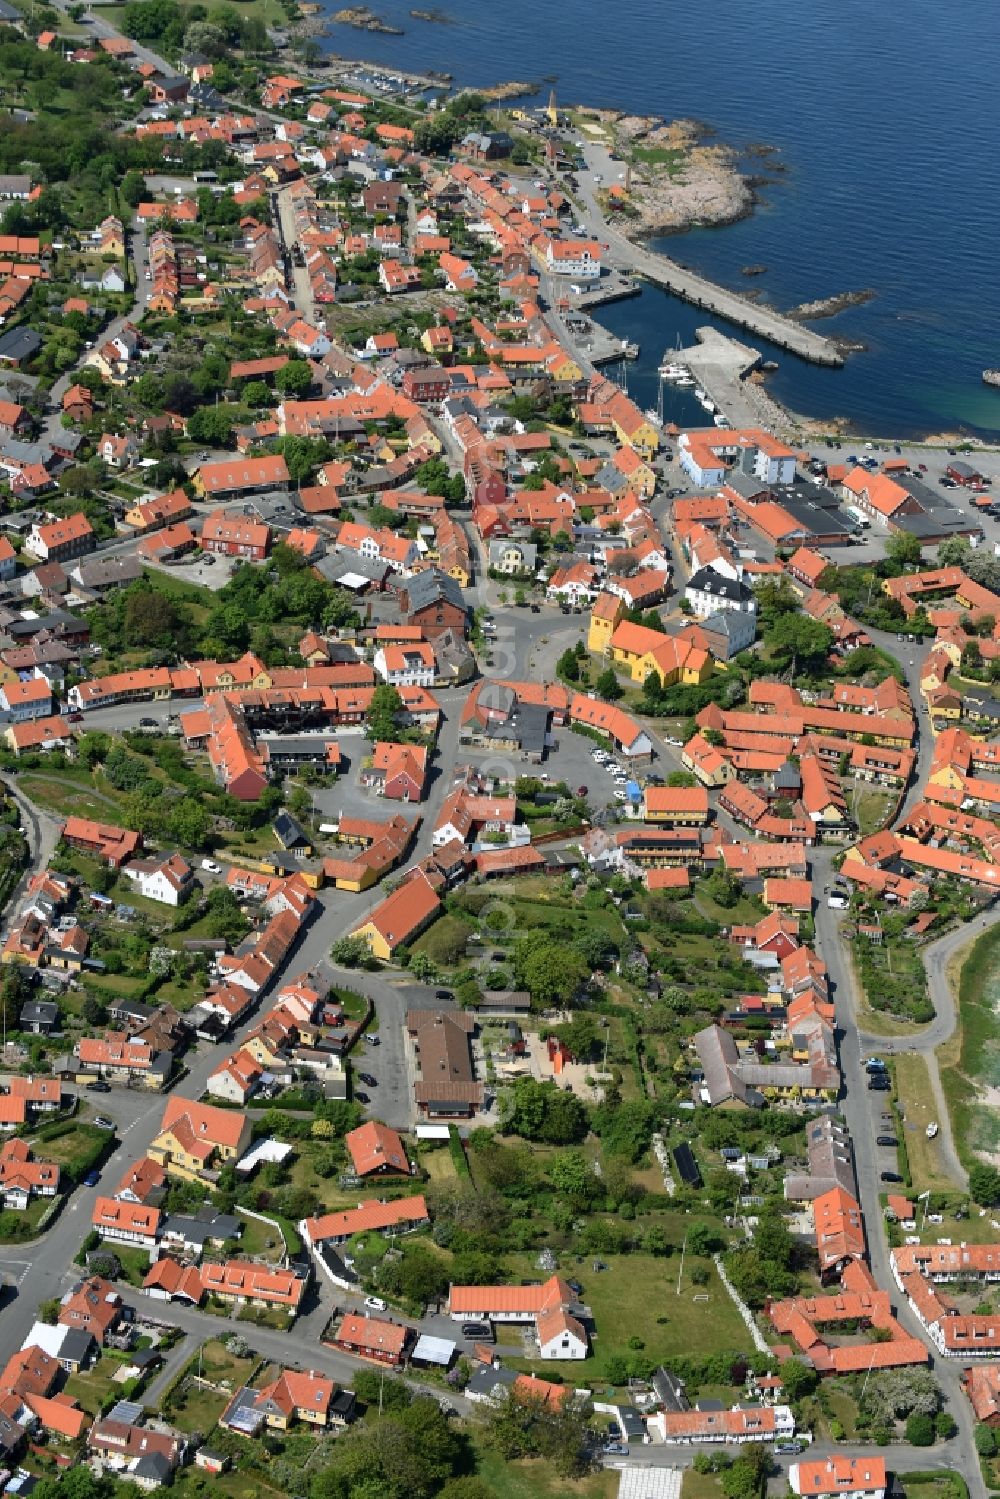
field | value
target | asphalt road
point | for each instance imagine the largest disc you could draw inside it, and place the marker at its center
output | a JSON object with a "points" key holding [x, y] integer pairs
{"points": [[860, 1108]]}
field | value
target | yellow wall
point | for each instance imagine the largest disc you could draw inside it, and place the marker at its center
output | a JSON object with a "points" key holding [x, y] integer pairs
{"points": [[379, 946]]}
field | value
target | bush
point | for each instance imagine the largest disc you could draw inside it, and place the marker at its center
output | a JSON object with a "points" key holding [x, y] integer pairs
{"points": [[986, 1442], [920, 1430]]}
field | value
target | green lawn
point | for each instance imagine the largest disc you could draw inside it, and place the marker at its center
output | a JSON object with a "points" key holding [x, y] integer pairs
{"points": [[17, 1227], [913, 1091], [970, 1062], [536, 1479], [261, 1239], [637, 1296], [661, 156], [134, 1262], [745, 912], [93, 1388], [872, 808], [700, 1485], [70, 793], [74, 1146]]}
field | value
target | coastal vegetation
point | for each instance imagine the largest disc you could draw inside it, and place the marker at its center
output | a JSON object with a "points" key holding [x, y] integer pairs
{"points": [[970, 1062]]}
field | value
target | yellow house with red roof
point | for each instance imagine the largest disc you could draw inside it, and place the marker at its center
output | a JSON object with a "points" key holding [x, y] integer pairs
{"points": [[195, 1137], [604, 616], [639, 651]]}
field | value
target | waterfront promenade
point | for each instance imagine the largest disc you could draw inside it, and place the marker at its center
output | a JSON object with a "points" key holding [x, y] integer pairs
{"points": [[765, 322]]}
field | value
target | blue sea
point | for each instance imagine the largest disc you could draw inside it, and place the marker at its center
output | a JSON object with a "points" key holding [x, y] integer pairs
{"points": [[885, 120]]}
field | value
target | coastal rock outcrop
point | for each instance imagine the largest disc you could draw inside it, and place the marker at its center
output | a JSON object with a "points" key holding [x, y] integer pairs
{"points": [[676, 177], [363, 19]]}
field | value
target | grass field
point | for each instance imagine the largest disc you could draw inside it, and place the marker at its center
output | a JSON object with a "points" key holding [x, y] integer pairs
{"points": [[92, 1388], [913, 1087], [639, 1292], [700, 1485], [537, 1480], [970, 1062], [661, 156], [70, 793], [871, 808]]}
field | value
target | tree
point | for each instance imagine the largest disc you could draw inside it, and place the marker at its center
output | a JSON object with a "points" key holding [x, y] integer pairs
{"points": [[903, 549], [984, 1184], [203, 36], [210, 424], [746, 1477], [543, 1112], [349, 952], [704, 1240], [899, 1393], [945, 1426], [570, 1172], [920, 1430], [568, 667], [799, 1379], [189, 823], [255, 393], [133, 188], [986, 1442], [579, 1035], [383, 712], [552, 973], [608, 685], [294, 379], [797, 641]]}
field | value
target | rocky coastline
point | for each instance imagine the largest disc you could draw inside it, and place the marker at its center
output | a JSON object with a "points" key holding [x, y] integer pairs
{"points": [[678, 179], [830, 306], [363, 19]]}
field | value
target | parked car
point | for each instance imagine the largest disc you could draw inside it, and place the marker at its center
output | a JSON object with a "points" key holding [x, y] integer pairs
{"points": [[880, 1082], [443, 994], [891, 1176], [788, 1449], [211, 866], [368, 1080], [103, 1122], [148, 723], [375, 1304], [887, 1140], [361, 1098], [91, 1179], [616, 1449], [98, 1086], [582, 790], [375, 1040], [482, 1332]]}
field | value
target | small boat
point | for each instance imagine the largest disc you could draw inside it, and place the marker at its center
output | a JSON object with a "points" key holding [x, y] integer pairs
{"points": [[991, 377], [708, 405], [699, 394], [654, 417], [684, 380], [931, 1130], [672, 371], [630, 350]]}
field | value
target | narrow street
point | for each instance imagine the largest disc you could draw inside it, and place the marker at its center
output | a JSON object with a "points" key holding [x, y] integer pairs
{"points": [[856, 1107]]}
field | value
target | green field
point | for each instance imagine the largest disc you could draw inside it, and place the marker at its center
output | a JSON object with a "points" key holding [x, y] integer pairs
{"points": [[535, 1479], [637, 1295], [970, 1062], [913, 1090]]}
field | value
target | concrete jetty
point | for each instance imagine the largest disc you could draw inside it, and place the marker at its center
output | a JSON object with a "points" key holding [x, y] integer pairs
{"points": [[721, 366], [765, 322], [757, 318]]}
